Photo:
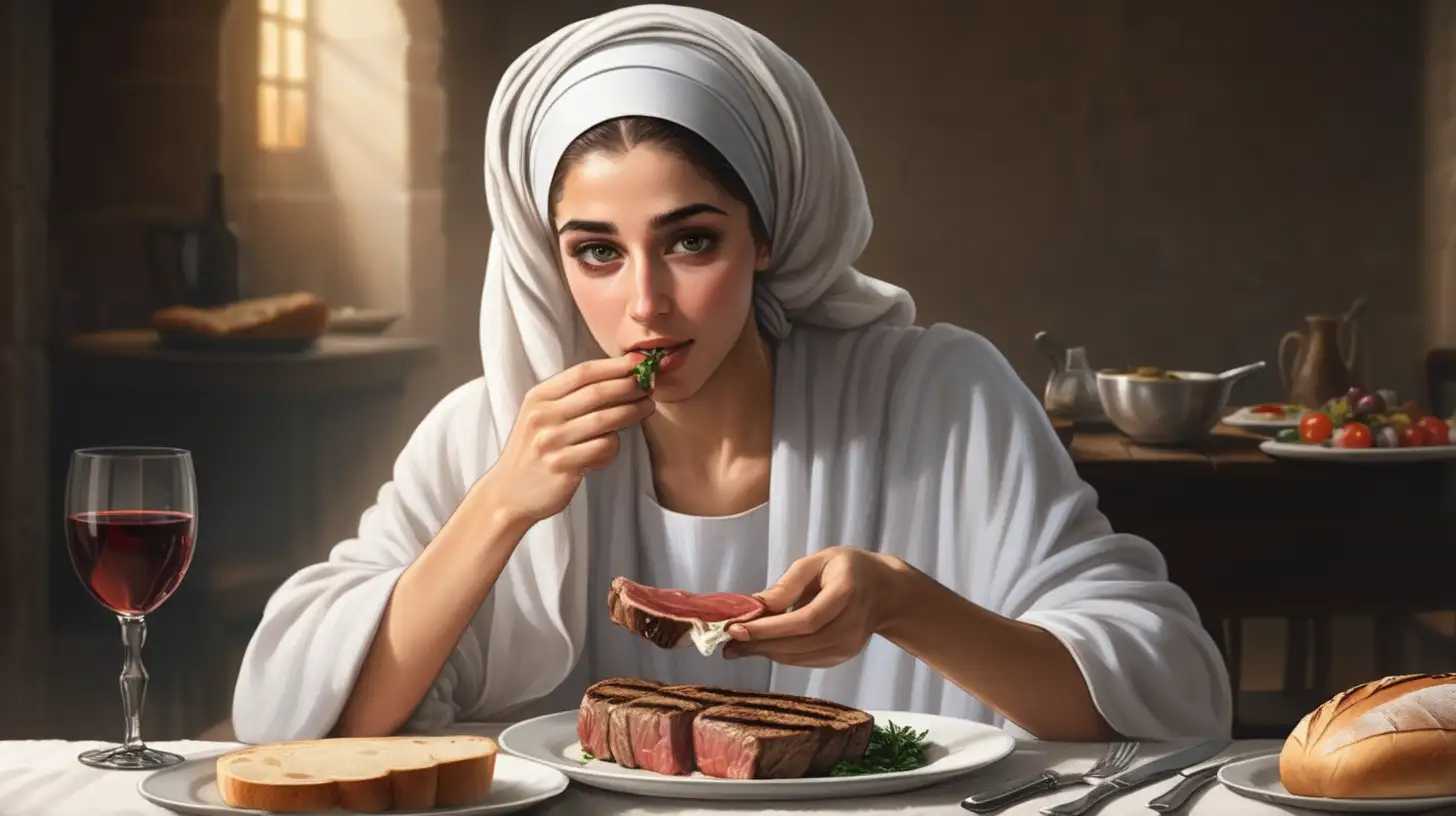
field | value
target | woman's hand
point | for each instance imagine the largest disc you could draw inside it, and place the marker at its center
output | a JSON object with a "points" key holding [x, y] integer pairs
{"points": [[566, 427], [823, 610]]}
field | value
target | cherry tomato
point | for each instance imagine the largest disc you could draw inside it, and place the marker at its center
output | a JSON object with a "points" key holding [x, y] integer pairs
{"points": [[1437, 432], [1316, 427], [1356, 435], [1413, 436]]}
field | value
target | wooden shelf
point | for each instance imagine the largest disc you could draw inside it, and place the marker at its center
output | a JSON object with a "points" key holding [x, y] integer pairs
{"points": [[123, 359]]}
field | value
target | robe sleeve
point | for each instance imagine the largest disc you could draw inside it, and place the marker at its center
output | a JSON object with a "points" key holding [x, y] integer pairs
{"points": [[303, 659], [1041, 552]]}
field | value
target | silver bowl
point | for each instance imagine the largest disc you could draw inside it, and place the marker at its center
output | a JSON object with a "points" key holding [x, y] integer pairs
{"points": [[1158, 411]]}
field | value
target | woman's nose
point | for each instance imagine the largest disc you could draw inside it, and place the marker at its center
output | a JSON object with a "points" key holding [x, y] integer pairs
{"points": [[649, 297]]}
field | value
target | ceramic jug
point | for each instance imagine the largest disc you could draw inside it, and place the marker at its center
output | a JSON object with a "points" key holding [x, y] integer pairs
{"points": [[1324, 363]]}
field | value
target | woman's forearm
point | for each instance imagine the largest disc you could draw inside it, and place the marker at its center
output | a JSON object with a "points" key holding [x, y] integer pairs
{"points": [[429, 610], [1019, 670]]}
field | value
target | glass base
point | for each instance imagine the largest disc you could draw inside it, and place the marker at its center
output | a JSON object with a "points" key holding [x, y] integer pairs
{"points": [[122, 758]]}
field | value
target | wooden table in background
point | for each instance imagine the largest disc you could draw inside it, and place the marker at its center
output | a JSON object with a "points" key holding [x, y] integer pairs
{"points": [[1250, 536]]}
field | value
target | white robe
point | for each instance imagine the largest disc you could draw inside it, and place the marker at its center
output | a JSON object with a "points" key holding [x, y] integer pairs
{"points": [[920, 443]]}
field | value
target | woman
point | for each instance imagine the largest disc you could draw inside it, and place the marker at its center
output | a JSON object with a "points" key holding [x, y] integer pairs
{"points": [[662, 177]]}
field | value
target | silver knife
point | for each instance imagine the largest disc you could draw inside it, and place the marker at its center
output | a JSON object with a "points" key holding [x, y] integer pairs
{"points": [[1193, 779], [1142, 775]]}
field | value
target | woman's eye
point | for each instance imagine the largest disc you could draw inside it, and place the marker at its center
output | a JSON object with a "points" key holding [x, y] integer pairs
{"points": [[596, 254], [693, 244]]}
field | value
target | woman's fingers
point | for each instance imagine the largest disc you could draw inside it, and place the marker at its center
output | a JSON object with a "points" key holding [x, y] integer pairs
{"points": [[593, 454], [598, 395], [796, 580], [806, 620], [582, 375], [605, 421], [827, 647]]}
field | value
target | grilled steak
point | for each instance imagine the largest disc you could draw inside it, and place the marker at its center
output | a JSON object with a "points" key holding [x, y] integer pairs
{"points": [[738, 741], [672, 617], [655, 731], [846, 730], [746, 734], [594, 718]]}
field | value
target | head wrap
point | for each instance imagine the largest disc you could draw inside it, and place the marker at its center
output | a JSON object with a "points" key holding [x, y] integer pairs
{"points": [[758, 107], [665, 80]]}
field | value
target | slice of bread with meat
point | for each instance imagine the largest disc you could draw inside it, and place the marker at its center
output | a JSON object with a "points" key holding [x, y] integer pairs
{"points": [[364, 775]]}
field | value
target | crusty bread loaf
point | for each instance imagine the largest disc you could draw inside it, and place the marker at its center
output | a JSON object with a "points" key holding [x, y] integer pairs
{"points": [[367, 775], [295, 315], [1394, 737]]}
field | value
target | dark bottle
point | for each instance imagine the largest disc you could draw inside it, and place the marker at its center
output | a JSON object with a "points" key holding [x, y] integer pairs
{"points": [[217, 267]]}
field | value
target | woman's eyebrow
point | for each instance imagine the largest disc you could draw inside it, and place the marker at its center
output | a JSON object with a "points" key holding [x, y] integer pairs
{"points": [[587, 226], [684, 213], [658, 222]]}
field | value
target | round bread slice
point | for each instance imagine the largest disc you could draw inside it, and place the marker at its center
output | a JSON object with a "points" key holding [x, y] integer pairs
{"points": [[363, 775]]}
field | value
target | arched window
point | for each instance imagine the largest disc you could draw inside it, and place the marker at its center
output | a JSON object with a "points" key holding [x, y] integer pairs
{"points": [[283, 71]]}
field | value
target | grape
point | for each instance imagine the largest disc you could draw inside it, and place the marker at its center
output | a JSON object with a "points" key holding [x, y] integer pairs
{"points": [[1369, 404], [1387, 437]]}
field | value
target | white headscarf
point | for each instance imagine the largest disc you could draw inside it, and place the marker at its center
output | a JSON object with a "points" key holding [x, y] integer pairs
{"points": [[760, 108]]}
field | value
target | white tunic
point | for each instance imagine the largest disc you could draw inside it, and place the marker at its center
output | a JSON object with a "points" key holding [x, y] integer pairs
{"points": [[920, 443], [675, 551]]}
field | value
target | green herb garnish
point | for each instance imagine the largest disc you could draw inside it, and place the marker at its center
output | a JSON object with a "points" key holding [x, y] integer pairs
{"points": [[586, 756], [644, 370], [891, 749]]}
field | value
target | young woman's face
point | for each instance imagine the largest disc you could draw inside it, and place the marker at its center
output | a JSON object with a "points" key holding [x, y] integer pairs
{"points": [[658, 256]]}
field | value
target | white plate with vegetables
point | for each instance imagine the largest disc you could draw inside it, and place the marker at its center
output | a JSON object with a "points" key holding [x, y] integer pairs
{"points": [[1365, 427], [1321, 453], [907, 751]]}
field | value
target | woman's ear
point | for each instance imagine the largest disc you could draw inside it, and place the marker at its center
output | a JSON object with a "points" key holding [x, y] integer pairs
{"points": [[765, 258]]}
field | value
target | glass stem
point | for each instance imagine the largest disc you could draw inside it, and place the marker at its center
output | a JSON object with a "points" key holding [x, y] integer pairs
{"points": [[133, 678]]}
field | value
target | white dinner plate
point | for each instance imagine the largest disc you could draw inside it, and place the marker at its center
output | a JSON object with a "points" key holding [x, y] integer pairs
{"points": [[1296, 450], [191, 787], [956, 747], [1244, 418], [1258, 778]]}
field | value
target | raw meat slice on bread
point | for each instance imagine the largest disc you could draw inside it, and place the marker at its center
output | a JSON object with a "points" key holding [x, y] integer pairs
{"points": [[368, 775], [674, 617]]}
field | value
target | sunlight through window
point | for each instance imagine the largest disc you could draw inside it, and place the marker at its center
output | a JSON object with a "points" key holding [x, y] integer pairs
{"points": [[282, 74]]}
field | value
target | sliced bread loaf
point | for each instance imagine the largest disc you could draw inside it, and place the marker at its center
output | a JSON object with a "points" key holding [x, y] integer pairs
{"points": [[366, 775]]}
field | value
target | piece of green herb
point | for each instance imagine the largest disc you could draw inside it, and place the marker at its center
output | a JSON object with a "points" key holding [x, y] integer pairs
{"points": [[891, 749], [586, 756], [644, 370]]}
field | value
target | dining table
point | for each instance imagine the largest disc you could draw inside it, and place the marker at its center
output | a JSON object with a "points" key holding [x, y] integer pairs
{"points": [[43, 778], [1251, 535]]}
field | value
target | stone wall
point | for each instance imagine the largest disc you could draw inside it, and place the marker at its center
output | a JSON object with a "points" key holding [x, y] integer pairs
{"points": [[24, 323], [1167, 183]]}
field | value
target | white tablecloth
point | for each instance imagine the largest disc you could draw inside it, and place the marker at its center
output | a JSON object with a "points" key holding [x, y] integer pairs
{"points": [[43, 778]]}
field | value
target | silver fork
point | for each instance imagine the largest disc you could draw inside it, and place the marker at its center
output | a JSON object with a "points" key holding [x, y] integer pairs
{"points": [[1119, 755]]}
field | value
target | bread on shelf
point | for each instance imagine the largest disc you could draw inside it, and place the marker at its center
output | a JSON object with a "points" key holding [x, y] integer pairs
{"points": [[1389, 738], [373, 775], [293, 315]]}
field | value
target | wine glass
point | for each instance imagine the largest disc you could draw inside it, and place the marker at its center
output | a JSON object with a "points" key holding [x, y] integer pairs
{"points": [[131, 521]]}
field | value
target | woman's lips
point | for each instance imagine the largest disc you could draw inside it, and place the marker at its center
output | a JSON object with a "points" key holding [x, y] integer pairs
{"points": [[674, 359], [670, 362]]}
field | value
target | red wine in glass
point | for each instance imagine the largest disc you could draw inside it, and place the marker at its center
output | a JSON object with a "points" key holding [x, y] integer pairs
{"points": [[131, 523], [131, 560]]}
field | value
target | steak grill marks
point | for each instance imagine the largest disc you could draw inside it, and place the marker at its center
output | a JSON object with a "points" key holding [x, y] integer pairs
{"points": [[764, 734]]}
